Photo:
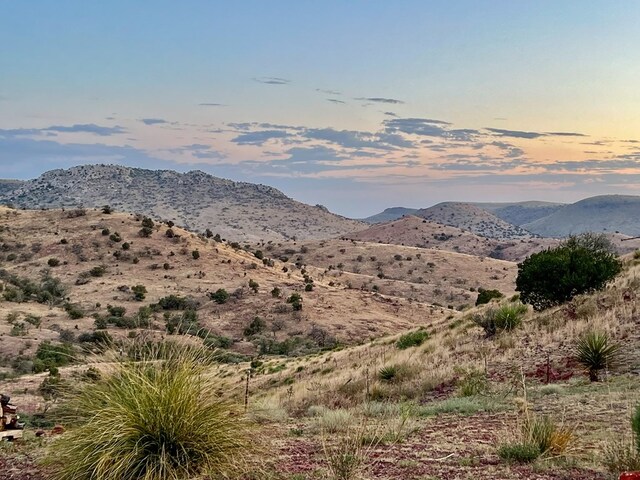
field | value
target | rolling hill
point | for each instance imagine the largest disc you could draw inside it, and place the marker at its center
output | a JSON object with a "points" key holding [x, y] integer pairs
{"points": [[605, 213], [195, 200], [390, 214], [472, 218], [92, 261]]}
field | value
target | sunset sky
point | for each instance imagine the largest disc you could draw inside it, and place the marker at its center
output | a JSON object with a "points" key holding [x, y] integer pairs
{"points": [[356, 105]]}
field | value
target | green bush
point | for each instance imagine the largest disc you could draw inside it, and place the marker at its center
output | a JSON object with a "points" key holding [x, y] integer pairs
{"points": [[50, 355], [412, 339], [296, 301], [256, 326], [139, 292], [156, 419], [519, 452], [579, 265], [595, 351], [53, 262], [220, 296], [485, 296]]}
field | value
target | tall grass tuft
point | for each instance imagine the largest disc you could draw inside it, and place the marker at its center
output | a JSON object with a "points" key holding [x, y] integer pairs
{"points": [[152, 420]]}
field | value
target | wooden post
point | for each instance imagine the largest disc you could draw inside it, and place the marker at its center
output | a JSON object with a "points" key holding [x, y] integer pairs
{"points": [[246, 391], [548, 368]]}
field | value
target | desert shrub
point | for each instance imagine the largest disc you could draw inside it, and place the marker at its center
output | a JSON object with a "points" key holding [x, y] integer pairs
{"points": [[498, 319], [105, 231], [183, 323], [253, 285], [107, 210], [49, 355], [53, 262], [296, 301], [308, 287], [595, 351], [276, 292], [195, 254], [115, 237], [74, 311], [256, 326], [519, 452], [139, 292], [115, 311], [173, 302], [126, 246], [485, 296], [171, 424], [220, 296], [98, 271], [412, 339], [472, 382], [579, 265]]}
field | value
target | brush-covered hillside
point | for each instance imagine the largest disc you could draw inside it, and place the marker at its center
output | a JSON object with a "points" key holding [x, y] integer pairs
{"points": [[69, 275], [419, 232], [474, 219], [428, 275], [451, 399], [194, 200]]}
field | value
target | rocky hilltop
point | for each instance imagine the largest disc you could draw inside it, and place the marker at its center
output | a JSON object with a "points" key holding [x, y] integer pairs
{"points": [[472, 218], [195, 200]]}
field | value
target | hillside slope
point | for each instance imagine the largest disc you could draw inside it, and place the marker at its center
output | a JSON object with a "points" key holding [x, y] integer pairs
{"points": [[418, 232], [470, 217], [390, 214], [605, 213], [195, 200], [97, 268], [519, 213]]}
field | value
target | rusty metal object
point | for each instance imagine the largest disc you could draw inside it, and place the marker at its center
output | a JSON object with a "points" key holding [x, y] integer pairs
{"points": [[10, 425]]}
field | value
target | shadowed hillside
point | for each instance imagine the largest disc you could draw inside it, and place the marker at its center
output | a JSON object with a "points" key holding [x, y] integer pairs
{"points": [[605, 213]]}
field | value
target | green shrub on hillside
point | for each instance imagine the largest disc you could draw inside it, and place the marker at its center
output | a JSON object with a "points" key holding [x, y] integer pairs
{"points": [[485, 296], [579, 265], [412, 339]]}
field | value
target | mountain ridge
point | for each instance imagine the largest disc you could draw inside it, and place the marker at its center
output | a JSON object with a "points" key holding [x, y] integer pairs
{"points": [[195, 200]]}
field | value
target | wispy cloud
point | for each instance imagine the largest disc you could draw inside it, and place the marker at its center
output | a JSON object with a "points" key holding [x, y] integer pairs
{"points": [[207, 104], [259, 138], [335, 100], [515, 133], [272, 80], [328, 92], [153, 121], [380, 100], [87, 128]]}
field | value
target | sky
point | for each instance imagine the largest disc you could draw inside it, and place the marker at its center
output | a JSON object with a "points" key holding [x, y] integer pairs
{"points": [[355, 105]]}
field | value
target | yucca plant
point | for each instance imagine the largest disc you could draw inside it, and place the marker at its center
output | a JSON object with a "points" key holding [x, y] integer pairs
{"points": [[595, 351], [151, 420]]}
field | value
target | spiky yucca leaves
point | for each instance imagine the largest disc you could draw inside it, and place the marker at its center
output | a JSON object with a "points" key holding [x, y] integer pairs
{"points": [[151, 420], [595, 351]]}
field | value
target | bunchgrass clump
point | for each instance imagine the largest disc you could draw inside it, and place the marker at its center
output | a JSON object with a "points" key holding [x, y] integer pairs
{"points": [[412, 339], [519, 452], [500, 319], [151, 419]]}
